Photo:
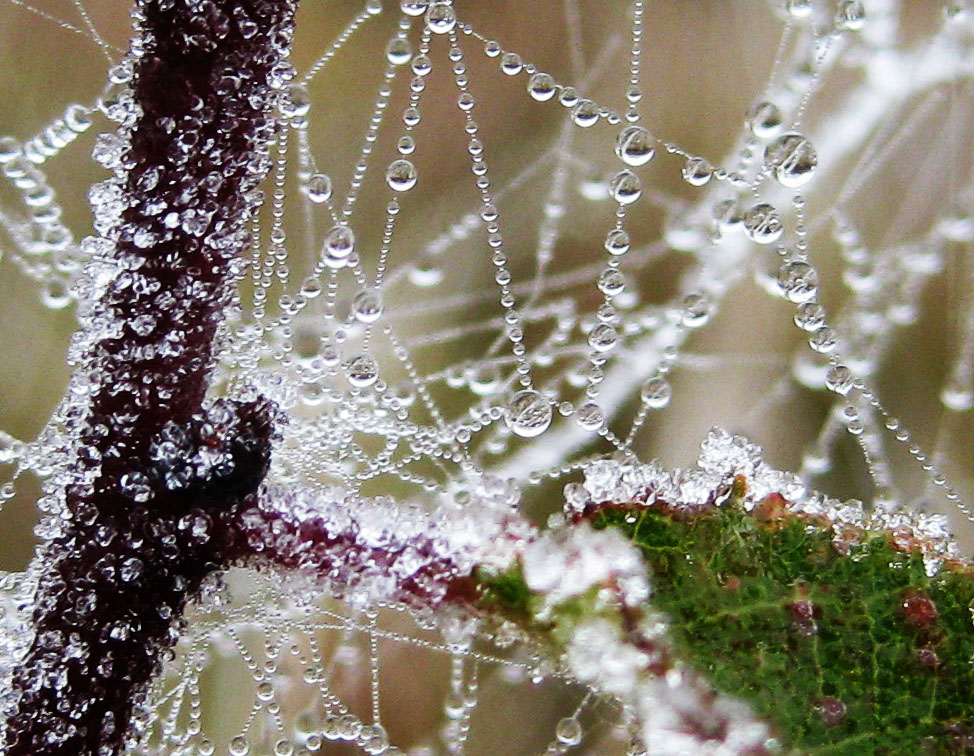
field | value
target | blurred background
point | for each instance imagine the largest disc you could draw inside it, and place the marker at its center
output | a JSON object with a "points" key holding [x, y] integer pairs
{"points": [[704, 64]]}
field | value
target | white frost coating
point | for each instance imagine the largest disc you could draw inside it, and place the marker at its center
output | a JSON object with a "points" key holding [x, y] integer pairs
{"points": [[709, 483], [679, 713], [571, 562]]}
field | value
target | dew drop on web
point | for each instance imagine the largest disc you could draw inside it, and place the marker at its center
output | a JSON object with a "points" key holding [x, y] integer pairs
{"points": [[792, 159], [441, 18], [401, 175], [635, 146], [528, 413]]}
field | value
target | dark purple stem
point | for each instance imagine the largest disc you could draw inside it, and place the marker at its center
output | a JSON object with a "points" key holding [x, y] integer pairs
{"points": [[148, 512]]}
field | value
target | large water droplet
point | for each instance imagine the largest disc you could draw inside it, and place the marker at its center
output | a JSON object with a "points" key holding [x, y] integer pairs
{"points": [[541, 87], [612, 282], [764, 119], [697, 171], [399, 51], [585, 113], [511, 63], [792, 158], [851, 15], [590, 416], [401, 175], [319, 188], [441, 18], [809, 316], [528, 413], [656, 392], [362, 371], [569, 731], [603, 338], [799, 282], [839, 379], [367, 306], [635, 146], [617, 242], [413, 7], [762, 224], [625, 187], [339, 242]]}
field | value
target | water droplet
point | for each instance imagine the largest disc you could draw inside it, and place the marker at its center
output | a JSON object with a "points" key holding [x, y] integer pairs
{"points": [[823, 340], [9, 149], [399, 51], [541, 87], [762, 224], [603, 338], [625, 187], [239, 746], [339, 242], [851, 15], [585, 113], [957, 397], [422, 65], [367, 306], [656, 392], [764, 119], [319, 188], [809, 316], [424, 276], [617, 242], [799, 8], [441, 18], [77, 119], [727, 214], [511, 63], [635, 146], [590, 416], [792, 158], [413, 7], [55, 294], [612, 282], [453, 705], [697, 309], [569, 731], [799, 283], [401, 175], [839, 379], [131, 570], [528, 414], [297, 104], [107, 151], [362, 371], [485, 379], [697, 171]]}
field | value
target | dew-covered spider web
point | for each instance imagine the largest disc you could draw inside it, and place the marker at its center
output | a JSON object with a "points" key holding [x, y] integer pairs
{"points": [[500, 241]]}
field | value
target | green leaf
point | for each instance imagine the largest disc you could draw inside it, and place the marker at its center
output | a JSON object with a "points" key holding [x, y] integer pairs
{"points": [[843, 653]]}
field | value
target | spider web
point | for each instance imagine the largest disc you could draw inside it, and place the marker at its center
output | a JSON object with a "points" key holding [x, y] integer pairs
{"points": [[438, 288]]}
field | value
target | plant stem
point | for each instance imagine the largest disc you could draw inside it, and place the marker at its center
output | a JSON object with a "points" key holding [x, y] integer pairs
{"points": [[156, 471]]}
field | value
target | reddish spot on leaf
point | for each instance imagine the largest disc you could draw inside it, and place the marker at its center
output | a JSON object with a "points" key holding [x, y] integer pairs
{"points": [[832, 711], [770, 508], [928, 658], [918, 608], [732, 584]]}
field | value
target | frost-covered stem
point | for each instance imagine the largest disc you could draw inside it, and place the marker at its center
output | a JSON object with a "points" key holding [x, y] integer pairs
{"points": [[157, 474], [579, 594]]}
